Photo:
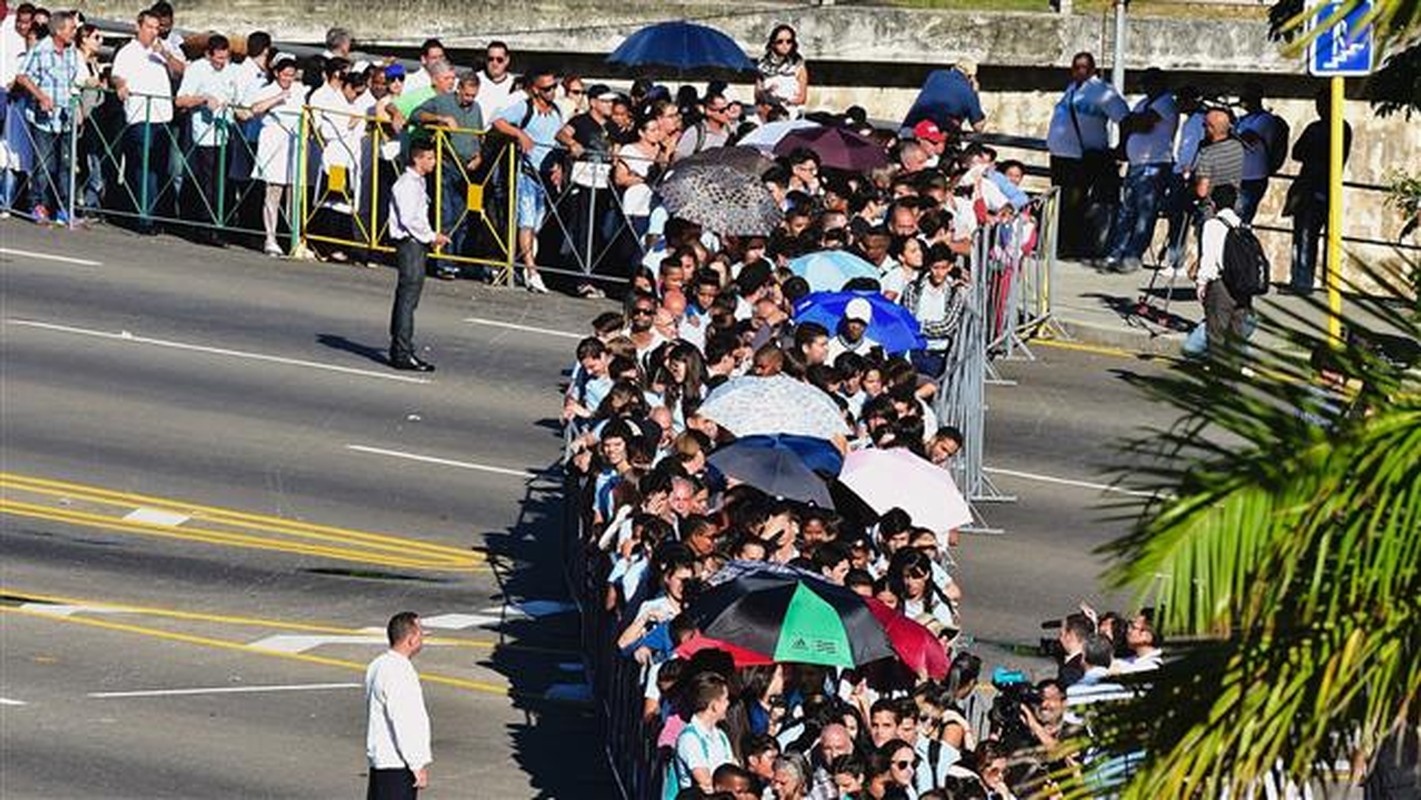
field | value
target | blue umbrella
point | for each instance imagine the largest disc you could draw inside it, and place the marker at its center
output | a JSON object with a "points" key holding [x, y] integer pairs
{"points": [[829, 270], [892, 325], [681, 46], [774, 468], [819, 455]]}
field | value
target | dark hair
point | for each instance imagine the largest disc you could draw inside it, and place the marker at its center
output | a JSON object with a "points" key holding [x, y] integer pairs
{"points": [[419, 146], [1079, 625], [258, 42], [829, 554], [430, 44], [216, 43], [1225, 195], [496, 44], [886, 704], [793, 56], [401, 627], [807, 332], [162, 8], [703, 689], [1099, 650]]}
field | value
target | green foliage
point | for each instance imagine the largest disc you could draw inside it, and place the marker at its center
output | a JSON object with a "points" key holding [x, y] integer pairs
{"points": [[1404, 194], [1284, 541]]}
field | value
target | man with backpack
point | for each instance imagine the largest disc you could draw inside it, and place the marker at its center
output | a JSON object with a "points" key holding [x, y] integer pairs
{"points": [[1265, 148], [1231, 271]]}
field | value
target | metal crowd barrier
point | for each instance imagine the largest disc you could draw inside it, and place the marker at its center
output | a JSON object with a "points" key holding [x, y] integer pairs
{"points": [[630, 742]]}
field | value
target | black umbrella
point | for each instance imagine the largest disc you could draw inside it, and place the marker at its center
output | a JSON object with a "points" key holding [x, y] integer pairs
{"points": [[773, 467]]}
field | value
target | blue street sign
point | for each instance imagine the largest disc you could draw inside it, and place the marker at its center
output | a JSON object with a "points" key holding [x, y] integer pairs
{"points": [[1345, 49]]}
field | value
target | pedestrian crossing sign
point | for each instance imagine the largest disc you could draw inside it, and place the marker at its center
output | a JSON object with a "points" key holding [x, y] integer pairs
{"points": [[1344, 48]]}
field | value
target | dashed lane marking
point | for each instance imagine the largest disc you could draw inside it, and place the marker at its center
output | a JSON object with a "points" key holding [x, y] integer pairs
{"points": [[444, 462], [5, 701], [128, 337], [82, 262], [1099, 487], [494, 323]]}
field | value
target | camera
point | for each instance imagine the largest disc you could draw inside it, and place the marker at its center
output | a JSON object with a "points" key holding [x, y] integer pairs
{"points": [[1014, 692]]}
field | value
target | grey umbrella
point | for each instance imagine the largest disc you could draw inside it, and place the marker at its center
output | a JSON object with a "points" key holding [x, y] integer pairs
{"points": [[745, 159], [723, 199]]}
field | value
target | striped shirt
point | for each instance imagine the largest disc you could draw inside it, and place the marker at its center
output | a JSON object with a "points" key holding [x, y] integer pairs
{"points": [[1221, 162]]}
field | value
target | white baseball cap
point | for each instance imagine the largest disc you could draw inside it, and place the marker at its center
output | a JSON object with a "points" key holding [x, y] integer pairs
{"points": [[859, 309]]}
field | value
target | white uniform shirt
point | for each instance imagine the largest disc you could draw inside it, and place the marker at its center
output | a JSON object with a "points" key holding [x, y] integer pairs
{"points": [[409, 209], [1156, 145], [12, 50], [211, 128], [419, 80], [150, 90], [494, 97], [397, 725], [1095, 102]]}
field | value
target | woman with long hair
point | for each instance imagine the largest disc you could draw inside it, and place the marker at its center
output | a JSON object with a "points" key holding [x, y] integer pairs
{"points": [[910, 578], [683, 373], [783, 78]]}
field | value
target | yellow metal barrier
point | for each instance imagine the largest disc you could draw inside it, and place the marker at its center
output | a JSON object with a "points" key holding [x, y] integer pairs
{"points": [[463, 205]]}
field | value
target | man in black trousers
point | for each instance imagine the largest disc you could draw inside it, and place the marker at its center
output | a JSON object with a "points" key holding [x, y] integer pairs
{"points": [[413, 236]]}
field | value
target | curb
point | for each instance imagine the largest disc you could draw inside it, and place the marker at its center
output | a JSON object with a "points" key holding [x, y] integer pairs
{"points": [[1134, 340]]}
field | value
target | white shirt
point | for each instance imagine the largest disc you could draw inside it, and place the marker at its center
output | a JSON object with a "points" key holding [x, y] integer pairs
{"points": [[1156, 145], [210, 128], [1211, 245], [409, 209], [150, 90], [397, 725], [1264, 125], [1095, 102], [1142, 662], [493, 97], [419, 79], [12, 49], [700, 748], [932, 307]]}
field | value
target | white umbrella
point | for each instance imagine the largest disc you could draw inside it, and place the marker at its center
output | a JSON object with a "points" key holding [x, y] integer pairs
{"points": [[777, 404], [896, 478], [768, 135]]}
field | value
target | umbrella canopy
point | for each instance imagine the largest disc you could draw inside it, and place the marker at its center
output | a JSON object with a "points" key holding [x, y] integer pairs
{"points": [[722, 199], [768, 135], [892, 326], [818, 454], [829, 270], [837, 148], [792, 618], [777, 404], [746, 159], [682, 46], [777, 470], [895, 477], [739, 655], [916, 646]]}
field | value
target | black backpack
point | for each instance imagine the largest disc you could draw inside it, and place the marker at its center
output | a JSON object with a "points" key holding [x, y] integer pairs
{"points": [[1246, 272]]}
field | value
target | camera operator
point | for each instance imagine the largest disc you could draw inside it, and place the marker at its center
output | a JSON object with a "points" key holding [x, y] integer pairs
{"points": [[1144, 643]]}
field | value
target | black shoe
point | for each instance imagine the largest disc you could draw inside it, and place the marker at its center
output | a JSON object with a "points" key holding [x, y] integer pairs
{"points": [[411, 364]]}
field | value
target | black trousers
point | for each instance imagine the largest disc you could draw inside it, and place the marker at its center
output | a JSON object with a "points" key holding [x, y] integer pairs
{"points": [[391, 784], [410, 256]]}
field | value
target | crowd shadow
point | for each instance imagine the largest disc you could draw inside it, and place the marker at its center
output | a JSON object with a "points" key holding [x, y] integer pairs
{"points": [[1154, 306], [559, 743]]}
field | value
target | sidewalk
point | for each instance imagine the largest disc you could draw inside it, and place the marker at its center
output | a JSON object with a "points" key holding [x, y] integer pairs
{"points": [[1101, 308]]}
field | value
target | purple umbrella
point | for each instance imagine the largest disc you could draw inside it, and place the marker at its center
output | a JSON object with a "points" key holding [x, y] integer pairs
{"points": [[837, 148]]}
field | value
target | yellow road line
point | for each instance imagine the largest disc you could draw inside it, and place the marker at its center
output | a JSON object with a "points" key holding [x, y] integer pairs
{"points": [[197, 510], [224, 619], [1097, 349], [223, 538], [224, 644]]}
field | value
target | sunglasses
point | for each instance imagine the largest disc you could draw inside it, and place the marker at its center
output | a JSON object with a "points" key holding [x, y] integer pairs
{"points": [[784, 41], [575, 92], [498, 59], [545, 89], [903, 764], [640, 311]]}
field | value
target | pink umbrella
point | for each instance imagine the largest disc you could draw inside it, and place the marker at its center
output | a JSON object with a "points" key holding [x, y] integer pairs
{"points": [[885, 479]]}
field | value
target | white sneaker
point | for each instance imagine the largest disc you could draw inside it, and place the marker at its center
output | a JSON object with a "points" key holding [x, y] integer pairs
{"points": [[534, 282], [273, 249]]}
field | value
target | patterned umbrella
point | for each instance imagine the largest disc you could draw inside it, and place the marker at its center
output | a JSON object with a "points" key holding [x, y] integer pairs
{"points": [[746, 159], [777, 404], [722, 199]]}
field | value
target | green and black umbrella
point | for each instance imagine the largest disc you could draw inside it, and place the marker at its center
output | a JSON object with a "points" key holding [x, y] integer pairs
{"points": [[792, 616]]}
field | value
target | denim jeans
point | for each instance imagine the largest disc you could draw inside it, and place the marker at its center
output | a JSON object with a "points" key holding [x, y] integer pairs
{"points": [[1145, 186], [1308, 221], [49, 185], [148, 140]]}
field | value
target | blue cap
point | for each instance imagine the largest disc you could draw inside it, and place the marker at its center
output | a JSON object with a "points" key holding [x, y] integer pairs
{"points": [[394, 72]]}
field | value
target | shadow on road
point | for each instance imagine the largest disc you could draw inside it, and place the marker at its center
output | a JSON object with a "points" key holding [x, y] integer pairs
{"points": [[376, 354]]}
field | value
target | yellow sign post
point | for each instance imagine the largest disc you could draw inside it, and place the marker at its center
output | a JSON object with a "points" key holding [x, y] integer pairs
{"points": [[1334, 212]]}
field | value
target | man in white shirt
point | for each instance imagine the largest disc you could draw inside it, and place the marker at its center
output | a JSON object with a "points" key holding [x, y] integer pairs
{"points": [[397, 740], [1149, 143], [413, 237], [1225, 318], [495, 82], [172, 40], [1079, 141], [142, 76], [702, 745], [209, 90], [430, 52]]}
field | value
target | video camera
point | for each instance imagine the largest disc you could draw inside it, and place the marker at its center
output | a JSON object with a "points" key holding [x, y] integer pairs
{"points": [[1014, 692]]}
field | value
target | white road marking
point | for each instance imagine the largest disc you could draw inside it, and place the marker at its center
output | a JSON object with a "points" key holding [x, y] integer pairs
{"points": [[1100, 487], [294, 687], [445, 462], [125, 336], [157, 516], [456, 622], [493, 323], [300, 643], [5, 701], [61, 610], [83, 262]]}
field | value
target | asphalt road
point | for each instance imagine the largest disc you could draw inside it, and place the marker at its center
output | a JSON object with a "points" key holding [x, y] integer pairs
{"points": [[214, 492]]}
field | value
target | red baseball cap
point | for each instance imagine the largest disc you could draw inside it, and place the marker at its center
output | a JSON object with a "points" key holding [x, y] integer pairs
{"points": [[928, 131]]}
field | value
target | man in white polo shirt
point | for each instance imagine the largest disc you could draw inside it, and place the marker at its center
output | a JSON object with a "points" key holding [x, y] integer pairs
{"points": [[209, 90], [1079, 142], [142, 73], [496, 82], [397, 740]]}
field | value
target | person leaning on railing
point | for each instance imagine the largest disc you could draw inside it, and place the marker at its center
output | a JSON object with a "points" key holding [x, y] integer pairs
{"points": [[277, 106], [49, 75], [457, 114], [209, 88], [143, 71]]}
